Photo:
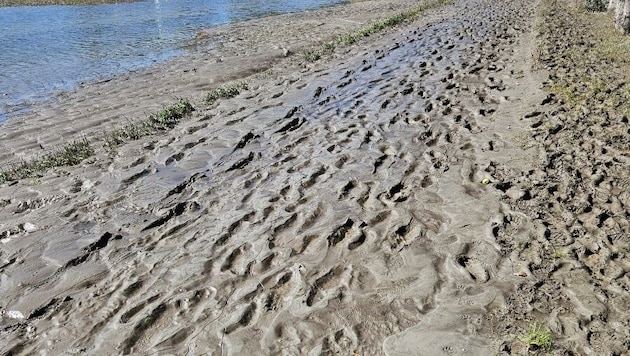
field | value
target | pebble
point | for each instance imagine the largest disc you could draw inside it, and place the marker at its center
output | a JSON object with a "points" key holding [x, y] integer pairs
{"points": [[14, 314], [515, 193], [29, 227]]}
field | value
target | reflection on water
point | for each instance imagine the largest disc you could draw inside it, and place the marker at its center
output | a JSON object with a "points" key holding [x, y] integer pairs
{"points": [[49, 49]]}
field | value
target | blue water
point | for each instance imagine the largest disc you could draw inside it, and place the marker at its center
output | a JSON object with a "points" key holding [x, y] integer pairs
{"points": [[48, 49]]}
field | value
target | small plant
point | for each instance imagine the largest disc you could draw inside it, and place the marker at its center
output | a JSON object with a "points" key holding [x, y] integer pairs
{"points": [[226, 92], [170, 116], [348, 39], [568, 94], [71, 155], [538, 337], [560, 254], [164, 120], [75, 152]]}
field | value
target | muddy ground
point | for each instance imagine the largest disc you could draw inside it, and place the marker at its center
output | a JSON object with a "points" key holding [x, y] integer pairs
{"points": [[434, 189]]}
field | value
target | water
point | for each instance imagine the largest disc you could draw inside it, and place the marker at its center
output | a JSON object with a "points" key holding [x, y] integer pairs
{"points": [[48, 49]]}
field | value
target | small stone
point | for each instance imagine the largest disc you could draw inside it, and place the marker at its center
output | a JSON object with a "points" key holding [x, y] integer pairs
{"points": [[389, 151], [14, 314], [485, 181], [515, 193], [521, 273], [29, 227]]}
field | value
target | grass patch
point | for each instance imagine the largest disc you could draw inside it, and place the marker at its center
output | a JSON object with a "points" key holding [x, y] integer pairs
{"points": [[560, 253], [612, 44], [226, 92], [348, 39], [71, 155], [537, 338], [568, 94], [164, 120], [75, 152], [602, 48]]}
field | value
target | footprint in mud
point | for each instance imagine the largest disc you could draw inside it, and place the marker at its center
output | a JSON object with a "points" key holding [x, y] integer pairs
{"points": [[379, 162], [53, 306], [177, 210], [246, 319], [340, 233], [143, 327], [174, 158], [475, 268], [403, 236], [318, 291], [93, 248], [311, 218], [292, 125], [231, 259], [245, 140], [347, 189], [359, 240], [313, 178], [244, 162], [396, 194], [279, 229], [132, 179], [479, 259], [133, 311]]}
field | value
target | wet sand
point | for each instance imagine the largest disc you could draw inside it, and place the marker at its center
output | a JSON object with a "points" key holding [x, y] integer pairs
{"points": [[389, 200]]}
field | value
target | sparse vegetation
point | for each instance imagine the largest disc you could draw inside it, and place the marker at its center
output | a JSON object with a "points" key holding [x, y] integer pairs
{"points": [[594, 88], [164, 120], [560, 253], [348, 39], [226, 92], [537, 338], [72, 154], [75, 152]]}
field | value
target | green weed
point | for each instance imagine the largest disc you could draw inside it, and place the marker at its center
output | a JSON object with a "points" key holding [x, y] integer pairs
{"points": [[164, 120], [560, 253], [71, 155], [226, 92], [537, 337], [348, 39]]}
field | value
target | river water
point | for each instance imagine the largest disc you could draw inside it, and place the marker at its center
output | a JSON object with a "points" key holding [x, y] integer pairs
{"points": [[49, 49]]}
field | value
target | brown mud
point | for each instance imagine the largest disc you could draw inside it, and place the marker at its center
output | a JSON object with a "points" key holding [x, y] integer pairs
{"points": [[419, 193]]}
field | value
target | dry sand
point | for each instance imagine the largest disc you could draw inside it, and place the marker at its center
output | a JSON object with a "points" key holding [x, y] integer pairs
{"points": [[373, 203]]}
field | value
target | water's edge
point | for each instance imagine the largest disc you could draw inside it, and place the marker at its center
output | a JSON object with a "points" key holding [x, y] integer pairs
{"points": [[32, 75]]}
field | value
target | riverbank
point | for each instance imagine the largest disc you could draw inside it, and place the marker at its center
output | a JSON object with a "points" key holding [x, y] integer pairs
{"points": [[90, 43], [221, 55], [402, 195], [56, 2]]}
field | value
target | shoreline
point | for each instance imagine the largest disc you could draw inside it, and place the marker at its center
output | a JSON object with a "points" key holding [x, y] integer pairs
{"points": [[190, 76], [11, 3], [185, 49], [413, 193]]}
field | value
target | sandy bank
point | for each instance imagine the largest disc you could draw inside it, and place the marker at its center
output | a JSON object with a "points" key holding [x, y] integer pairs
{"points": [[337, 206], [388, 200], [219, 55]]}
